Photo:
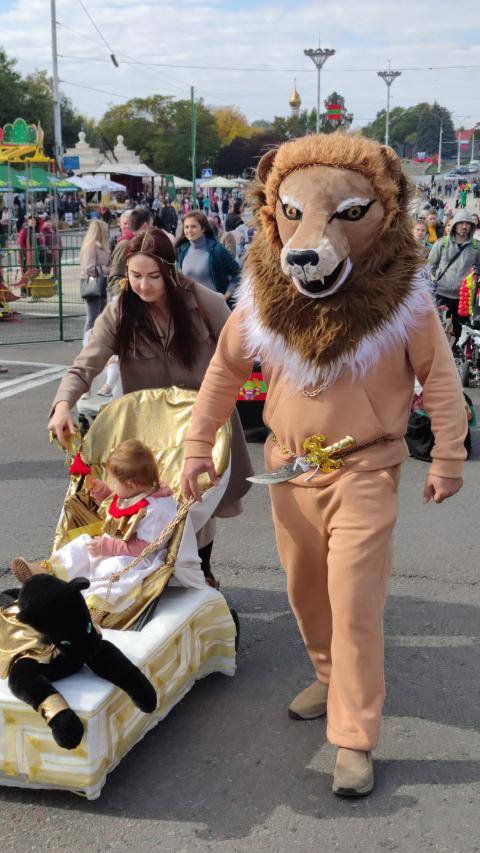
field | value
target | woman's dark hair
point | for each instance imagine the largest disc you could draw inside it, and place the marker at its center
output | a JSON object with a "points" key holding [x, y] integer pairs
{"points": [[136, 321], [237, 206], [202, 221], [138, 217], [216, 223]]}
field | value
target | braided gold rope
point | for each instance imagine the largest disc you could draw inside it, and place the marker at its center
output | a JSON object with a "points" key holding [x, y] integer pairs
{"points": [[149, 549]]}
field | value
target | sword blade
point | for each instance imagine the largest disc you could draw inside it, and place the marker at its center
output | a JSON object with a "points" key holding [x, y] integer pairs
{"points": [[278, 475]]}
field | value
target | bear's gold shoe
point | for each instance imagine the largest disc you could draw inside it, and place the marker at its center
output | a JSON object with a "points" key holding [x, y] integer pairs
{"points": [[310, 703], [353, 776]]}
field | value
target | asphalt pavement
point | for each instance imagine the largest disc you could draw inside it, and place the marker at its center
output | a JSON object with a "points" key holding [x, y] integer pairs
{"points": [[228, 770]]}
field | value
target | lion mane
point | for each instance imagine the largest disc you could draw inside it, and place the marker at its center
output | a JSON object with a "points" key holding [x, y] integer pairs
{"points": [[382, 295]]}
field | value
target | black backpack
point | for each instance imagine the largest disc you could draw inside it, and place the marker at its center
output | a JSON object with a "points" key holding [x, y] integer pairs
{"points": [[419, 435]]}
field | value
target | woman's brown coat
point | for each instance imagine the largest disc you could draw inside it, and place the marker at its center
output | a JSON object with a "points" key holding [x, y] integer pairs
{"points": [[156, 366]]}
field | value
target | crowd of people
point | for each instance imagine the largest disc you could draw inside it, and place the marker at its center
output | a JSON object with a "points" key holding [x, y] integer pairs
{"points": [[450, 242]]}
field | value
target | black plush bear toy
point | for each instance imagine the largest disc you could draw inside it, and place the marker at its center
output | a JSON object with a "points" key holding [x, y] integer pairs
{"points": [[57, 611]]}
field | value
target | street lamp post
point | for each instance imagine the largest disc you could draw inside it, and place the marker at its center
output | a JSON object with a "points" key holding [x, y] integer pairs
{"points": [[388, 77], [440, 138], [193, 110], [57, 117], [477, 127], [319, 57]]}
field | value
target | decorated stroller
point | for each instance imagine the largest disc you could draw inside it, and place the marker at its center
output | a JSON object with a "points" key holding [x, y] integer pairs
{"points": [[176, 635]]}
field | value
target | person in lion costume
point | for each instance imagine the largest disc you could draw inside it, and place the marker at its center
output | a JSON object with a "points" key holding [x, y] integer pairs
{"points": [[335, 305]]}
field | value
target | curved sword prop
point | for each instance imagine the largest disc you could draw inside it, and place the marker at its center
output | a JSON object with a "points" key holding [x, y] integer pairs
{"points": [[317, 457]]}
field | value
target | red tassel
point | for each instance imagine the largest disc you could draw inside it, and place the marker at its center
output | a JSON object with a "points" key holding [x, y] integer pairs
{"points": [[79, 467]]}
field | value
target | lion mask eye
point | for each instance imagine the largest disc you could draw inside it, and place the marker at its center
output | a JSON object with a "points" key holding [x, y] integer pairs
{"points": [[291, 212], [353, 212]]}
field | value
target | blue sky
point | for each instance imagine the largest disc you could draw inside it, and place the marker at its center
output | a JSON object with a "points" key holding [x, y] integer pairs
{"points": [[249, 35]]}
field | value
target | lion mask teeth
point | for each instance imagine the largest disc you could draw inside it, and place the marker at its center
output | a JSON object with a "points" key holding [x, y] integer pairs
{"points": [[321, 287]]}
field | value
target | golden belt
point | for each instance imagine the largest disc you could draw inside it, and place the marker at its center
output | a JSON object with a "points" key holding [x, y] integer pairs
{"points": [[326, 459]]}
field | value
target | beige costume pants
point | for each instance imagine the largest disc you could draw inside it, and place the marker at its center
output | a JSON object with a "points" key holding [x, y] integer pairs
{"points": [[335, 544]]}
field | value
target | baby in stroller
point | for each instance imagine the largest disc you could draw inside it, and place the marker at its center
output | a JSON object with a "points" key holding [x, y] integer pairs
{"points": [[135, 506]]}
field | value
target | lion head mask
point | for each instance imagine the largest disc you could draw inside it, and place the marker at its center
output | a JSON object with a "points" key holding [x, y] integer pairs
{"points": [[332, 268]]}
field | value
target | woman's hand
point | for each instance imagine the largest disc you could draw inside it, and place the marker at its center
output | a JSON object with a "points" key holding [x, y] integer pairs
{"points": [[191, 472], [62, 424], [94, 547]]}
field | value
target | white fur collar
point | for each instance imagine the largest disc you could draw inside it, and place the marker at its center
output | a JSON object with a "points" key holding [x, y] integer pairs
{"points": [[271, 349]]}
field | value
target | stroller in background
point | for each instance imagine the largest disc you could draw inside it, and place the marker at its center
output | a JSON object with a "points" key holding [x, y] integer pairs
{"points": [[467, 351]]}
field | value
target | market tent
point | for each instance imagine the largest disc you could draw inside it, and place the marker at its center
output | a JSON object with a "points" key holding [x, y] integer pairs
{"points": [[25, 183], [48, 179], [219, 183], [101, 182], [6, 179], [97, 183], [83, 184], [133, 170], [179, 183], [62, 185]]}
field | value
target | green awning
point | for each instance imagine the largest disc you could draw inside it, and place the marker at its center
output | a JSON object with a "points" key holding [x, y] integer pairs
{"points": [[51, 181], [6, 179], [26, 182], [33, 179]]}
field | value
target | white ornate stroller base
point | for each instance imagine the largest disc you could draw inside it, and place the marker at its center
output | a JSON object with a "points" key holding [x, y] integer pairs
{"points": [[191, 635]]}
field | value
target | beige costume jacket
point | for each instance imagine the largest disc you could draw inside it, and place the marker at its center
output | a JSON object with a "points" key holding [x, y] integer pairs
{"points": [[368, 407]]}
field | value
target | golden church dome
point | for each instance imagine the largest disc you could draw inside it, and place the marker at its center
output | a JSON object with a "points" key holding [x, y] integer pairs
{"points": [[295, 99]]}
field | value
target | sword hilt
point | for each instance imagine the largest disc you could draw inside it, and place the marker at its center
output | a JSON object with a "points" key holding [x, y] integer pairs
{"points": [[338, 446], [323, 457]]}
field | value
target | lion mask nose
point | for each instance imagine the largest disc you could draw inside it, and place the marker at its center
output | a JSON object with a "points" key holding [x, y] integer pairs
{"points": [[302, 258]]}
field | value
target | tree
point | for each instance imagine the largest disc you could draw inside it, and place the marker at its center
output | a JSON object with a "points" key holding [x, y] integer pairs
{"points": [[31, 98], [38, 107], [242, 155], [414, 129], [345, 118], [230, 122], [428, 130], [177, 152], [261, 124], [159, 130], [143, 122], [11, 88]]}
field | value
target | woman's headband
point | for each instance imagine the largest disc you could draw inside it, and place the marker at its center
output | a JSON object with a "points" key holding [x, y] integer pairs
{"points": [[143, 250]]}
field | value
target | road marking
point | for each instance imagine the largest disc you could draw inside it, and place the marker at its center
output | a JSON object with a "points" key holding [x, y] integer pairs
{"points": [[50, 373]]}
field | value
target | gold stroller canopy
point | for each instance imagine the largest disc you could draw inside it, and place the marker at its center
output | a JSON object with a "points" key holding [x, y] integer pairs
{"points": [[160, 418]]}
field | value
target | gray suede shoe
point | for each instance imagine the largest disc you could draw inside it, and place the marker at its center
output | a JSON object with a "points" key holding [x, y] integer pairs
{"points": [[310, 703], [353, 776], [23, 570]]}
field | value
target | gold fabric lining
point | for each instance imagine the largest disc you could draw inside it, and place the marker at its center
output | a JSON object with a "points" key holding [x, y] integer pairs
{"points": [[151, 588], [18, 640], [123, 527]]}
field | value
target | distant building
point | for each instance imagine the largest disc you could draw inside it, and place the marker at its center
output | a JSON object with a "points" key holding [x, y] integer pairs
{"points": [[89, 157], [295, 101], [466, 139]]}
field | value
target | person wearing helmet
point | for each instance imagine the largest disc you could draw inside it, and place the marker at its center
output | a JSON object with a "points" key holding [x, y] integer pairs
{"points": [[450, 260]]}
